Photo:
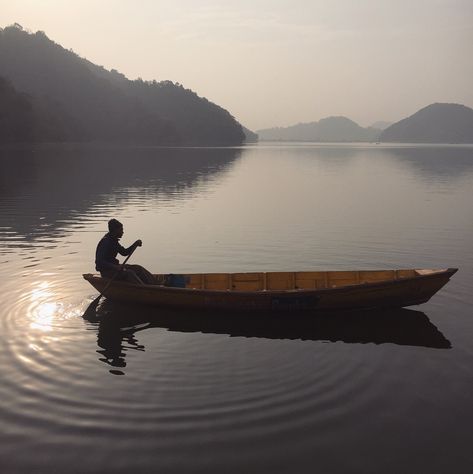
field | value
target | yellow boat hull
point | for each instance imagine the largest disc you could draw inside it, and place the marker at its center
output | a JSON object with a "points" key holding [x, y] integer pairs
{"points": [[285, 291]]}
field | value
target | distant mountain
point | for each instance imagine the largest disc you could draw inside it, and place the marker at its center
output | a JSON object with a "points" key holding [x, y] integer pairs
{"points": [[436, 123], [89, 103], [330, 129], [381, 125]]}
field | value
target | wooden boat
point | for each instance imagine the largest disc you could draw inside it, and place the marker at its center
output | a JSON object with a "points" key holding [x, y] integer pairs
{"points": [[284, 291]]}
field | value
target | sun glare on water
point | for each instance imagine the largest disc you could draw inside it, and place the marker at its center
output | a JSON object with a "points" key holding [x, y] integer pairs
{"points": [[44, 307]]}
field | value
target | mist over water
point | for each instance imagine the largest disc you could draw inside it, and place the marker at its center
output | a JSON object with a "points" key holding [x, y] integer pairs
{"points": [[139, 389]]}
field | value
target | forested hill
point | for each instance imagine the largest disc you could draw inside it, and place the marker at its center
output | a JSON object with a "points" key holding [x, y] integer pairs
{"points": [[26, 119], [80, 101], [436, 123], [330, 129]]}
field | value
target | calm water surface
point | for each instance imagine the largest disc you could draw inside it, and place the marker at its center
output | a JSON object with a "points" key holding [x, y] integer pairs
{"points": [[135, 389]]}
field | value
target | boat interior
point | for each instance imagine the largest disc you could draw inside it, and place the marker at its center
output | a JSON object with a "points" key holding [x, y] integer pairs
{"points": [[304, 280]]}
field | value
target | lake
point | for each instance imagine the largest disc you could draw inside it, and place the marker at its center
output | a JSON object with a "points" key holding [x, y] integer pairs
{"points": [[137, 389]]}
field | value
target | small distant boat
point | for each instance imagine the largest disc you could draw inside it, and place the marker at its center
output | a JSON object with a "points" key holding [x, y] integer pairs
{"points": [[282, 291]]}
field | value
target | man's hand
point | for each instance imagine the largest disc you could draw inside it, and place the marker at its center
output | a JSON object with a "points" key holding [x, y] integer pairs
{"points": [[138, 243]]}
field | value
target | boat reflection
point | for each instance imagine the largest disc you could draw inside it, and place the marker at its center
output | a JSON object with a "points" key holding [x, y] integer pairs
{"points": [[117, 325]]}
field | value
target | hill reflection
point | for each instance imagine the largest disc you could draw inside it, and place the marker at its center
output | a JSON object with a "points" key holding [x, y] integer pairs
{"points": [[46, 190], [118, 324], [433, 163]]}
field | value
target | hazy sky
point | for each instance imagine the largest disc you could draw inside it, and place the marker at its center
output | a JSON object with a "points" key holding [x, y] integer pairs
{"points": [[276, 62]]}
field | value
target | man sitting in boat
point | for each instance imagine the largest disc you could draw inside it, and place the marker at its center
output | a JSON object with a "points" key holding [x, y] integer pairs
{"points": [[106, 257]]}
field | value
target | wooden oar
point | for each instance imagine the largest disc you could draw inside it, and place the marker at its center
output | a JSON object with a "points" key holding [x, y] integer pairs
{"points": [[93, 306]]}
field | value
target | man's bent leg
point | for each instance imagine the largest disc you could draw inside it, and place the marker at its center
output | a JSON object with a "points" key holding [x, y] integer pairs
{"points": [[116, 276], [132, 277], [126, 274], [144, 275]]}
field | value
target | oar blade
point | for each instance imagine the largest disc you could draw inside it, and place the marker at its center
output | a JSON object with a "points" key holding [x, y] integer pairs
{"points": [[91, 310]]}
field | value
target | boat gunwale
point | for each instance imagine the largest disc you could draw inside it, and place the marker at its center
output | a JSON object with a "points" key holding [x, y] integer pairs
{"points": [[448, 272]]}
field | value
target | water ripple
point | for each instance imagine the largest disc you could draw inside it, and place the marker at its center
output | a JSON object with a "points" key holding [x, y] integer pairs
{"points": [[189, 393]]}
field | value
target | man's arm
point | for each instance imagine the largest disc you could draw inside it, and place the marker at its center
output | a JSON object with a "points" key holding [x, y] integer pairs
{"points": [[123, 251]]}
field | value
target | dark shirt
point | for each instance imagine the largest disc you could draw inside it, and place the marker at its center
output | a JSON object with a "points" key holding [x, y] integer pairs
{"points": [[106, 253]]}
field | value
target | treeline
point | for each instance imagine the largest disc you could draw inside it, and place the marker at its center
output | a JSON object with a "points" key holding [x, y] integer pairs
{"points": [[54, 95]]}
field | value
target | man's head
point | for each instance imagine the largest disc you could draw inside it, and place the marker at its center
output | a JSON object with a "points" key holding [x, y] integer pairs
{"points": [[115, 228]]}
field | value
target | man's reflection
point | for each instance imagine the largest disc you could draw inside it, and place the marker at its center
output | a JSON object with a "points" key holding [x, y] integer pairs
{"points": [[115, 337]]}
